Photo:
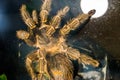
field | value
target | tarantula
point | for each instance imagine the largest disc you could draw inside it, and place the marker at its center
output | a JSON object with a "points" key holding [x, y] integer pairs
{"points": [[53, 58]]}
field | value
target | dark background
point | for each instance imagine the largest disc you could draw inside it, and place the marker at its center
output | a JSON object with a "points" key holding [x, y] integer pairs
{"points": [[104, 30]]}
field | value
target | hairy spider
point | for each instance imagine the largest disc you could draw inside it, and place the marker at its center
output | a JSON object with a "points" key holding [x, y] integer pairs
{"points": [[52, 59]]}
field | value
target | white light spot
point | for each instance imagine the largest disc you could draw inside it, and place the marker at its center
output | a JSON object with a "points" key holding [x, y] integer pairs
{"points": [[100, 6]]}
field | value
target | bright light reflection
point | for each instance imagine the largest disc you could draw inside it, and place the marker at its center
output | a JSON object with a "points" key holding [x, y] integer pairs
{"points": [[100, 6]]}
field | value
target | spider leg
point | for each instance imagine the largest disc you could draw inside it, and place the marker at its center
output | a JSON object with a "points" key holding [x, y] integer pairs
{"points": [[24, 35], [55, 22], [75, 23], [88, 60], [43, 68], [42, 65], [45, 9], [27, 18], [28, 63], [36, 65], [74, 54], [34, 16], [21, 34]]}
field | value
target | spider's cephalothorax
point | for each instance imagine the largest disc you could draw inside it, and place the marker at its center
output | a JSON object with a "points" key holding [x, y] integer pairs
{"points": [[52, 59]]}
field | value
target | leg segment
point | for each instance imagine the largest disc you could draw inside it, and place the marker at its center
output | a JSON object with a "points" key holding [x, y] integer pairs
{"points": [[27, 18], [88, 60], [28, 63], [45, 9], [36, 65], [75, 23], [34, 16], [74, 54], [55, 22], [24, 35]]}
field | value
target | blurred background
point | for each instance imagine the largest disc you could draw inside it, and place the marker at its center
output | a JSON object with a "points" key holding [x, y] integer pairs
{"points": [[104, 30]]}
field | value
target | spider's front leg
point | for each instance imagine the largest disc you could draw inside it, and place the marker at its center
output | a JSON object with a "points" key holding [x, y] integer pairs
{"points": [[31, 23], [76, 22], [56, 20], [27, 18], [45, 9]]}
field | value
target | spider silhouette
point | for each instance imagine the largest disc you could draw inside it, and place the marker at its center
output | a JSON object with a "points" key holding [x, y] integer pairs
{"points": [[53, 58]]}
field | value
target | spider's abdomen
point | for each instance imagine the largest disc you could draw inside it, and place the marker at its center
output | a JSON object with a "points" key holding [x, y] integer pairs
{"points": [[60, 67]]}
